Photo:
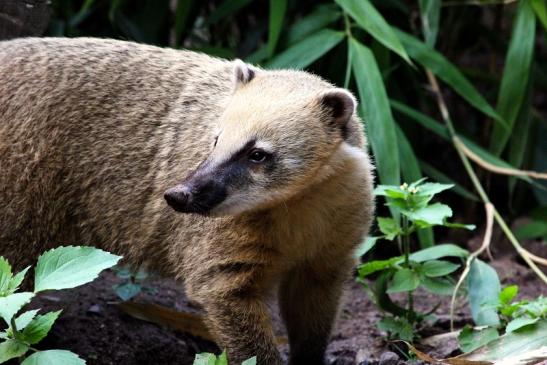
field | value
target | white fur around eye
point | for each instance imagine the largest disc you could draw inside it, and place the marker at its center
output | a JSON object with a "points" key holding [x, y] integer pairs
{"points": [[263, 145]]}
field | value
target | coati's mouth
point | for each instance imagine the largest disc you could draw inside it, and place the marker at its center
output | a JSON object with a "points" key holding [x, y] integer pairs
{"points": [[198, 199]]}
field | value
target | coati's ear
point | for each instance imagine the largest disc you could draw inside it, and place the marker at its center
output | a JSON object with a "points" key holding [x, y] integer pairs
{"points": [[339, 104], [242, 74]]}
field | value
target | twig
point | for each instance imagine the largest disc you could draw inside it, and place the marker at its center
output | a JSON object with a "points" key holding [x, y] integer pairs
{"points": [[475, 180], [496, 169], [484, 246]]}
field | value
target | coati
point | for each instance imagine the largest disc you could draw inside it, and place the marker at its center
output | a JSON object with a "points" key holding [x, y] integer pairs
{"points": [[236, 180]]}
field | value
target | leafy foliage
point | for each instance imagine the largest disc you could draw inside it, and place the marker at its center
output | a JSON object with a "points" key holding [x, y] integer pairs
{"points": [[132, 283], [60, 268], [211, 359]]}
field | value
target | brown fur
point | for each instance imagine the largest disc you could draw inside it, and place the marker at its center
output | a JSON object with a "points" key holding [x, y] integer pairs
{"points": [[92, 132]]}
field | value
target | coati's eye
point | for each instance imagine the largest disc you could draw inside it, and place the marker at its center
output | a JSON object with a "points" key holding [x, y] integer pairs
{"points": [[258, 156]]}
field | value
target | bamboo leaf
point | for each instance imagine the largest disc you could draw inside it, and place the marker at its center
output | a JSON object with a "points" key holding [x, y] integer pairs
{"points": [[517, 68], [541, 11], [277, 14], [308, 50], [430, 11], [227, 8], [376, 113], [484, 289], [366, 15], [447, 72], [319, 19]]}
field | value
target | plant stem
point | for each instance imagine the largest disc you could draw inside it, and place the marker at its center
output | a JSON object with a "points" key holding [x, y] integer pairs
{"points": [[406, 248], [13, 327], [475, 180]]}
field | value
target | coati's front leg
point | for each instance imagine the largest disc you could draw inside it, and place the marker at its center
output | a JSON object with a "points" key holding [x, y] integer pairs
{"points": [[308, 299]]}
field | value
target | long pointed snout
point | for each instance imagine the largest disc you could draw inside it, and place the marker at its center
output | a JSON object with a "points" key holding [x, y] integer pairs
{"points": [[196, 195]]}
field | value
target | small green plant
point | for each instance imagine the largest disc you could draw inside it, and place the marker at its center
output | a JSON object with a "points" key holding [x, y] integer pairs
{"points": [[60, 268], [412, 211], [131, 283], [211, 359], [514, 316]]}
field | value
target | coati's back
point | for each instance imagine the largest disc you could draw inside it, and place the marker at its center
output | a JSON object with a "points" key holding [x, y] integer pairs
{"points": [[86, 124]]}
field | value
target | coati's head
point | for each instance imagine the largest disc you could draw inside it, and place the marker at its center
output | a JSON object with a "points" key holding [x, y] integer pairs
{"points": [[277, 132]]}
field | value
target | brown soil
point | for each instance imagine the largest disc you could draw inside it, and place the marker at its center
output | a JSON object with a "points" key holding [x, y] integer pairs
{"points": [[100, 332]]}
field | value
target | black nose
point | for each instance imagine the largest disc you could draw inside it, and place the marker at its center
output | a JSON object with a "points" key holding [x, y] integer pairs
{"points": [[178, 198]]}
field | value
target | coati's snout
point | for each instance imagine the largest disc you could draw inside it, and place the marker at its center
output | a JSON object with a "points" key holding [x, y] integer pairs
{"points": [[197, 194]]}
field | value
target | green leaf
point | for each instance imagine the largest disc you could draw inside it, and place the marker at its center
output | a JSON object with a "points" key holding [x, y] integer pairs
{"points": [[68, 267], [277, 14], [471, 339], [519, 323], [11, 349], [430, 11], [10, 305], [222, 359], [433, 214], [53, 357], [515, 74], [378, 265], [447, 72], [508, 294], [400, 328], [366, 15], [483, 288], [127, 291], [541, 11], [225, 10], [469, 227], [431, 189], [389, 227], [205, 359], [366, 246], [5, 275], [441, 177], [376, 113], [39, 327], [404, 280], [25, 318], [16, 281], [319, 19], [251, 361], [424, 120], [435, 268], [532, 229], [307, 51], [438, 251], [439, 286]]}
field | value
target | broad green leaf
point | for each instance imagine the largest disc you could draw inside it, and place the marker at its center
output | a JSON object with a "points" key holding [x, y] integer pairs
{"points": [[391, 191], [410, 169], [222, 359], [68, 267], [433, 214], [39, 327], [469, 227], [438, 251], [53, 357], [515, 75], [430, 11], [508, 294], [483, 288], [251, 361], [378, 265], [518, 323], [404, 280], [541, 11], [16, 281], [205, 359], [24, 319], [518, 347], [471, 339], [277, 14], [5, 275], [10, 305], [433, 188], [389, 227], [318, 19], [435, 268], [366, 246], [441, 177], [127, 291], [532, 229], [439, 286], [399, 327], [366, 15], [307, 51], [376, 113], [226, 9], [447, 72], [11, 349]]}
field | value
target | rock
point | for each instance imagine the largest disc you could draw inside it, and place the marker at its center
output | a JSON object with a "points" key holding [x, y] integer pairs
{"points": [[389, 358], [363, 357]]}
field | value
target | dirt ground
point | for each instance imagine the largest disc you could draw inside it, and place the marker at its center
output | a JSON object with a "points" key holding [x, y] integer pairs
{"points": [[93, 326]]}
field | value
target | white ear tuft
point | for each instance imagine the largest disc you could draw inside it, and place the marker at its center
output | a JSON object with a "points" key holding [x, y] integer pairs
{"points": [[243, 73], [339, 103]]}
